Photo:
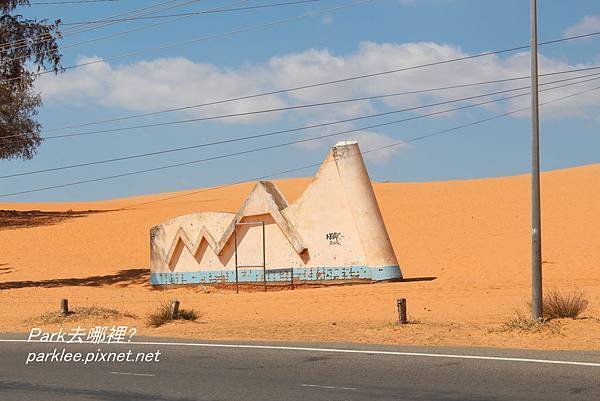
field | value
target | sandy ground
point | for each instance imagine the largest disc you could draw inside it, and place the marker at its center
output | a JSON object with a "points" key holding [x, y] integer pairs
{"points": [[463, 245]]}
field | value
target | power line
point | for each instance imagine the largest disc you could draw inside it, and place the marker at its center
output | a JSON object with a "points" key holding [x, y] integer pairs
{"points": [[139, 28], [256, 136], [253, 96], [289, 3], [384, 147], [225, 34], [327, 82], [319, 104], [80, 29], [76, 30], [179, 16], [42, 38], [149, 26], [264, 148], [203, 38], [143, 27], [37, 3], [138, 12]]}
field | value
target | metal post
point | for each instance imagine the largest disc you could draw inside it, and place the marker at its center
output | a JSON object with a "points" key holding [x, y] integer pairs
{"points": [[536, 229], [264, 257], [237, 283]]}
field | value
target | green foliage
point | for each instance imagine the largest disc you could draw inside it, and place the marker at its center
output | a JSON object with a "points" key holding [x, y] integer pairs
{"points": [[24, 43]]}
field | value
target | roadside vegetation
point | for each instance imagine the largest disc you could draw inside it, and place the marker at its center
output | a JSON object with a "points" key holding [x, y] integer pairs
{"points": [[81, 313], [564, 305], [522, 321], [162, 315], [556, 305]]}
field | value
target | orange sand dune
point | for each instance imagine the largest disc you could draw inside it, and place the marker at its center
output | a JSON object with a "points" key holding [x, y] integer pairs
{"points": [[472, 236]]}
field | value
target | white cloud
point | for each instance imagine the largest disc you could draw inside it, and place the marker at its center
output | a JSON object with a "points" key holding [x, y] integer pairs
{"points": [[588, 24], [165, 83], [327, 20]]}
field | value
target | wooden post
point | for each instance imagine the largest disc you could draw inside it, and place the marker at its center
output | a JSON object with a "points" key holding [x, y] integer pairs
{"points": [[64, 307], [264, 258], [235, 244], [401, 303], [174, 309]]}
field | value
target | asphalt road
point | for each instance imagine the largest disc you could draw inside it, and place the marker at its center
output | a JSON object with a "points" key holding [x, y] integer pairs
{"points": [[252, 374]]}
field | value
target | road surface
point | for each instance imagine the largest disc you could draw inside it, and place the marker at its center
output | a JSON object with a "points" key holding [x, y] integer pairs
{"points": [[328, 372]]}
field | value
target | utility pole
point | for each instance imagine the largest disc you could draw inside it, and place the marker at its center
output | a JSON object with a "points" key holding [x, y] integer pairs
{"points": [[536, 219]]}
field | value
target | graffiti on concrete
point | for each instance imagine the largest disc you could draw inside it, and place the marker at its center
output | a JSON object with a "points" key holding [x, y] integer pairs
{"points": [[334, 238]]}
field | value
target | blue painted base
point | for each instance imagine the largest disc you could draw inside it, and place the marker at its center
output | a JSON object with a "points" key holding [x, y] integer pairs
{"points": [[279, 275]]}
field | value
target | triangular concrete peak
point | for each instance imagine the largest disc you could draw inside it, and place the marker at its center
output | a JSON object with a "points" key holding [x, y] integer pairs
{"points": [[344, 169], [265, 198]]}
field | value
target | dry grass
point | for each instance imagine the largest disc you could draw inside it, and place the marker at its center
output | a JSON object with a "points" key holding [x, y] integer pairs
{"points": [[410, 320], [564, 305], [522, 322], [186, 314], [162, 315], [556, 305], [77, 314]]}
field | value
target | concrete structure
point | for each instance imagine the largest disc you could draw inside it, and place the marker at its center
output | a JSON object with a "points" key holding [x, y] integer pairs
{"points": [[333, 231]]}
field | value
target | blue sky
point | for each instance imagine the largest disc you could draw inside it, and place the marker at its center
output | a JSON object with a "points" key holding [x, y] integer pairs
{"points": [[368, 37]]}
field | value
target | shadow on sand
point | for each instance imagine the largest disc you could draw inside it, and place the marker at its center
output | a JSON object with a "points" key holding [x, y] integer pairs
{"points": [[13, 219], [415, 279], [5, 270], [123, 278]]}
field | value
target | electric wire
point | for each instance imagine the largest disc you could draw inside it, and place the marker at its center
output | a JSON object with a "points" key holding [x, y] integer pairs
{"points": [[260, 6], [347, 79], [75, 30], [270, 147], [37, 3], [139, 28], [202, 38], [376, 149], [280, 91], [303, 106]]}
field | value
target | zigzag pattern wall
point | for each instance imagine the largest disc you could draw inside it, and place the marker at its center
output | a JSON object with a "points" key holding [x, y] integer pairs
{"points": [[333, 231]]}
